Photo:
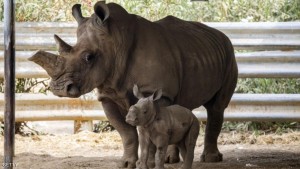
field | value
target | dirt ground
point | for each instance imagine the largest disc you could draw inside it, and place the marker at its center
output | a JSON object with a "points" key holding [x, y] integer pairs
{"points": [[87, 150]]}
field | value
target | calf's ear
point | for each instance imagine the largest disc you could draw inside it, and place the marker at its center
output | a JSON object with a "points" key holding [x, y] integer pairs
{"points": [[136, 92], [102, 12], [156, 95]]}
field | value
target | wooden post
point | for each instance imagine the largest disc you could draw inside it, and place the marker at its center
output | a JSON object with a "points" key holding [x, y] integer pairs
{"points": [[9, 69], [81, 125]]}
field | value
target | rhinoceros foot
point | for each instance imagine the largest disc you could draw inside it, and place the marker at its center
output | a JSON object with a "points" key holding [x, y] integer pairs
{"points": [[127, 163], [140, 165], [151, 163], [172, 155], [211, 157]]}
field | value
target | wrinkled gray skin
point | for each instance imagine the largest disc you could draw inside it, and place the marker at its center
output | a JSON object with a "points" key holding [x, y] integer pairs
{"points": [[162, 126], [192, 63]]}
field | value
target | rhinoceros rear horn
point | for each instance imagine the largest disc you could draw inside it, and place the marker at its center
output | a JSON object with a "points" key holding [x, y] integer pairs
{"points": [[76, 12], [52, 63], [102, 11], [63, 47]]}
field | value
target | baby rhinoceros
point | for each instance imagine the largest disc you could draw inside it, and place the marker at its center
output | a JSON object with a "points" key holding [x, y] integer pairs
{"points": [[162, 126]]}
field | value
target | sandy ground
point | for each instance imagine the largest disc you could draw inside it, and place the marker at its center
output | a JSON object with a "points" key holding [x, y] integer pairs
{"points": [[87, 150]]}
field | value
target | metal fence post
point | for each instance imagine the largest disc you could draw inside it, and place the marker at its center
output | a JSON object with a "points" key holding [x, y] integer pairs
{"points": [[9, 68]]}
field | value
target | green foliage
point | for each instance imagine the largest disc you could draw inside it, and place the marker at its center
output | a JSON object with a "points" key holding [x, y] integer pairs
{"points": [[261, 127], [216, 10], [26, 85], [1, 128], [103, 126], [262, 85], [211, 11]]}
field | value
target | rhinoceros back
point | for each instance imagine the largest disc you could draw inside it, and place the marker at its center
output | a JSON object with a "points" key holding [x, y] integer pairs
{"points": [[206, 60]]}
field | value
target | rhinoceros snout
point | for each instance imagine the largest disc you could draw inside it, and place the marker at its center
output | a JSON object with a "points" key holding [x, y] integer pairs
{"points": [[65, 89], [131, 118], [72, 90]]}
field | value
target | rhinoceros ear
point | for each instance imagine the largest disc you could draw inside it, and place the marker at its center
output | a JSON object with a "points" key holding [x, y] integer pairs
{"points": [[63, 47], [52, 63], [136, 92], [76, 12], [156, 95], [102, 11]]}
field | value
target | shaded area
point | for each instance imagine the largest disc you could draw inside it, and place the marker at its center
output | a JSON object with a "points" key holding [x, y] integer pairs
{"points": [[236, 157], [88, 150]]}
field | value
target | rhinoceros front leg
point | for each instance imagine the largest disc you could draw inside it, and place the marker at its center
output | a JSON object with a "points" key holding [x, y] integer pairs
{"points": [[127, 132]]}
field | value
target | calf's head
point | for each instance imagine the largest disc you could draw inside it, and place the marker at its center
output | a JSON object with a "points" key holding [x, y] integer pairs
{"points": [[144, 111], [79, 69]]}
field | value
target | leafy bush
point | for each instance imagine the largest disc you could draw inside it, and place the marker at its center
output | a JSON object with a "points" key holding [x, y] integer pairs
{"points": [[263, 85], [211, 11]]}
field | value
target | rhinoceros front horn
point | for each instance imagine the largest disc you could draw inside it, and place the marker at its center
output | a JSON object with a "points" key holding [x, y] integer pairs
{"points": [[76, 12], [53, 64]]}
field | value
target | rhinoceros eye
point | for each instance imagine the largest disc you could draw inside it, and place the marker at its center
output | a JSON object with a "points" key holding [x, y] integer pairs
{"points": [[88, 57]]}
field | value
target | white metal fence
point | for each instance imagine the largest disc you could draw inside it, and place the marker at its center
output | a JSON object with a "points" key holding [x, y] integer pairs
{"points": [[275, 53]]}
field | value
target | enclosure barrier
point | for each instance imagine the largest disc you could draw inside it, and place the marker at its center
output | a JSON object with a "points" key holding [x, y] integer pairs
{"points": [[265, 50]]}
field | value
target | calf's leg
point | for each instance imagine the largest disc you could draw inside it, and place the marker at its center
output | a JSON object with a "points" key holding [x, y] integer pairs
{"points": [[182, 149], [144, 144], [151, 158], [172, 155], [127, 132], [190, 143], [160, 156]]}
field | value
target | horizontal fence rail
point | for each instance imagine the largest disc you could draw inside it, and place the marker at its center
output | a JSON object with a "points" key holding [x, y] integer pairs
{"points": [[257, 107], [262, 64], [244, 36], [283, 37], [263, 50]]}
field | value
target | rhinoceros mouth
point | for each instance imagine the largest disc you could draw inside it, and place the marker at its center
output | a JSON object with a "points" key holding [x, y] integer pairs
{"points": [[66, 89], [132, 122]]}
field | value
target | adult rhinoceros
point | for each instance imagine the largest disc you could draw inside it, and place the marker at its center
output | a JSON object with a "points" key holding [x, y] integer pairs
{"points": [[192, 63]]}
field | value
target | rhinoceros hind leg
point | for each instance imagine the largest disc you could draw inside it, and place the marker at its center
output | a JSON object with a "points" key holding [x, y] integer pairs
{"points": [[128, 134], [215, 115], [127, 163], [217, 157], [213, 128], [172, 155]]}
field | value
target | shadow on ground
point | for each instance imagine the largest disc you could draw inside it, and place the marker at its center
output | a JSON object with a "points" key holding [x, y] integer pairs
{"points": [[234, 158]]}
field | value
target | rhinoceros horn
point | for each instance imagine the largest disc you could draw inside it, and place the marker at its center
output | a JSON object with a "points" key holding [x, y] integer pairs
{"points": [[53, 64], [63, 47], [76, 12]]}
